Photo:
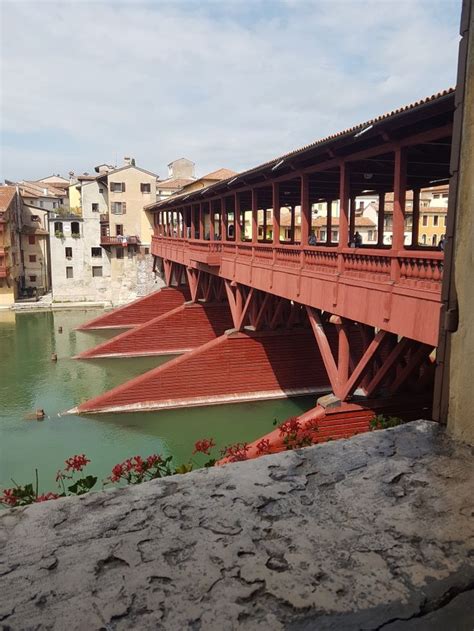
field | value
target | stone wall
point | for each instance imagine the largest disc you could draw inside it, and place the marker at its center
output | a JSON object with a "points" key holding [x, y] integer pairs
{"points": [[371, 532]]}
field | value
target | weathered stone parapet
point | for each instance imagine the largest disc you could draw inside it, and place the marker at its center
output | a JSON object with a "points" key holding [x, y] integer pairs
{"points": [[362, 533]]}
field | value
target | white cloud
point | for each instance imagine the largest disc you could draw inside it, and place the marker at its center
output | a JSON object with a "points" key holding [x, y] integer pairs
{"points": [[228, 84]]}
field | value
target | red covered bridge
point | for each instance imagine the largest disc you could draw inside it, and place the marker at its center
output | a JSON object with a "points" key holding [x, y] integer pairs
{"points": [[266, 317]]}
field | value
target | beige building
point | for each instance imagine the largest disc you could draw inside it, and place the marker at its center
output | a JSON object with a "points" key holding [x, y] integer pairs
{"points": [[10, 254]]}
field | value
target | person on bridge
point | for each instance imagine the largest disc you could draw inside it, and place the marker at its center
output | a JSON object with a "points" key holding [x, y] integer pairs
{"points": [[357, 240], [312, 239]]}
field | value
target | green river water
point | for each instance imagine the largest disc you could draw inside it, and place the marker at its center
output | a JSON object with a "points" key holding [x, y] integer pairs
{"points": [[30, 380]]}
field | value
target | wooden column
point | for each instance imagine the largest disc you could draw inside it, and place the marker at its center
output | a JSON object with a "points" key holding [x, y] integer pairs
{"points": [[415, 234], [193, 222], [305, 210], [292, 226], [399, 194], [254, 216], [276, 212], [343, 354], [381, 219], [352, 220], [211, 222], [237, 219], [329, 221], [168, 223], [343, 206], [201, 221], [223, 220], [264, 224]]}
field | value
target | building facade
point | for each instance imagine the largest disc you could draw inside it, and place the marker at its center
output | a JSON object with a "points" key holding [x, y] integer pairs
{"points": [[10, 252]]}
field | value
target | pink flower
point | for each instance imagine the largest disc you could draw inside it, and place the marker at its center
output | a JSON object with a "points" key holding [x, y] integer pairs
{"points": [[76, 463], [204, 446]]}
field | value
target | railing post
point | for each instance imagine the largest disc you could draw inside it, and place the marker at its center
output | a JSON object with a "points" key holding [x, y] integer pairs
{"points": [[305, 210], [399, 194], [193, 222], [352, 221], [343, 214], [276, 212]]}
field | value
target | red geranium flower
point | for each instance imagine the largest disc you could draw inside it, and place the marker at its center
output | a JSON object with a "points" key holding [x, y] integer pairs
{"points": [[291, 426], [76, 463], [263, 447], [9, 497], [117, 472], [46, 497], [153, 460], [237, 452], [204, 446]]}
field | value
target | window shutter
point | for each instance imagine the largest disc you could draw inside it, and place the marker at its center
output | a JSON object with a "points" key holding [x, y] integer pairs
{"points": [[123, 187], [124, 208]]}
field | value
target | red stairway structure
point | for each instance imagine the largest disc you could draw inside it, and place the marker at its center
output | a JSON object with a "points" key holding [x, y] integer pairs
{"points": [[267, 316]]}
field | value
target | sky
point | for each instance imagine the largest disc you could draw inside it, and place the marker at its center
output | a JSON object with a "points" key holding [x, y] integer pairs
{"points": [[228, 84]]}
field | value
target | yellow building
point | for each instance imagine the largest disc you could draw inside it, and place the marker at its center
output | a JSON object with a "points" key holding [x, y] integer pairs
{"points": [[74, 195], [10, 257]]}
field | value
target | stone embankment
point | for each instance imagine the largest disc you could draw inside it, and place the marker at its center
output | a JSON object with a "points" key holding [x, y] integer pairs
{"points": [[368, 533]]}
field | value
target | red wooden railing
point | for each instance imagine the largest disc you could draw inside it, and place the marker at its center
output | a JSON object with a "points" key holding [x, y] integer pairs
{"points": [[411, 268]]}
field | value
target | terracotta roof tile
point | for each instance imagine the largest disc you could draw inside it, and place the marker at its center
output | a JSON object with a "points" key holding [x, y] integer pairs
{"points": [[220, 174], [174, 183], [7, 193]]}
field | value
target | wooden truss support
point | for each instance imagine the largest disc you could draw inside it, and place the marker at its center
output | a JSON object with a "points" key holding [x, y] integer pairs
{"points": [[168, 270], [194, 277]]}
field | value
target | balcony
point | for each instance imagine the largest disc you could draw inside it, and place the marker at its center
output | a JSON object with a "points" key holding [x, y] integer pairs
{"points": [[119, 241], [104, 218]]}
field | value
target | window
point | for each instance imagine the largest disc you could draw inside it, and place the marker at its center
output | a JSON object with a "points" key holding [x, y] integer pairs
{"points": [[147, 250], [41, 204], [119, 230], [69, 272], [33, 279], [55, 205], [423, 239], [425, 220], [117, 187], [334, 235], [101, 190], [434, 239], [96, 272], [31, 239], [75, 230], [435, 220], [35, 218], [58, 228], [435, 195], [444, 221], [68, 252], [322, 235], [145, 188], [118, 208], [119, 253], [370, 235], [95, 208], [32, 258], [96, 252]]}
